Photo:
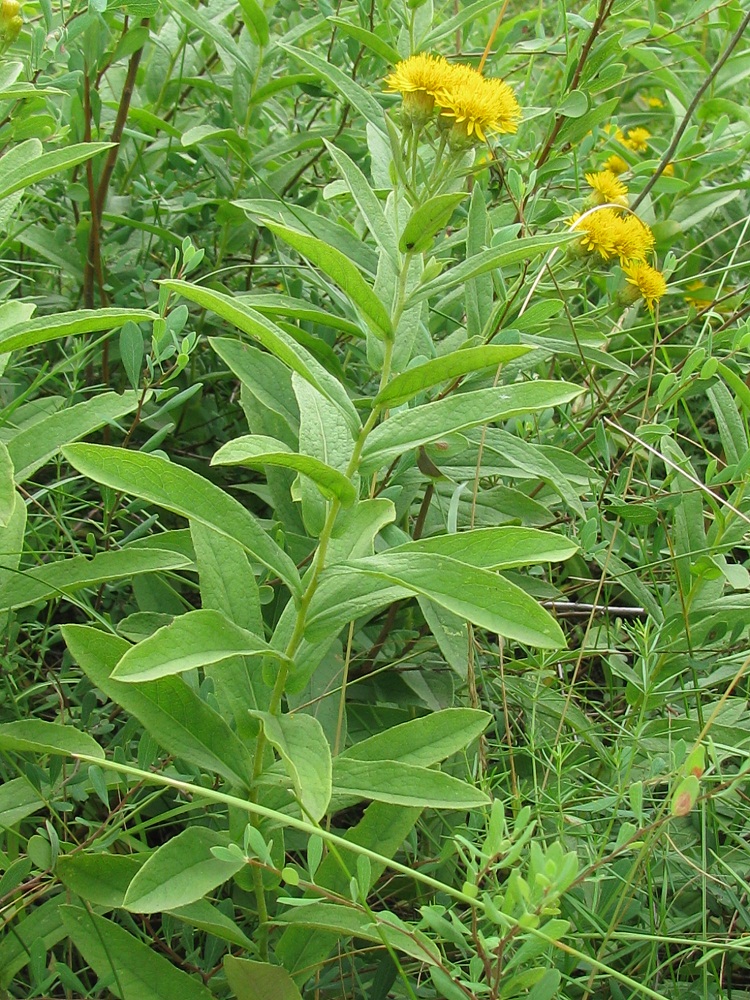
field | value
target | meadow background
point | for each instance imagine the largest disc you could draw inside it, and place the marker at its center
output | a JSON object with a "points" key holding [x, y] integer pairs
{"points": [[374, 588]]}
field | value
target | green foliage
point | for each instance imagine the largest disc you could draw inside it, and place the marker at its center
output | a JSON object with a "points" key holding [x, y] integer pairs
{"points": [[373, 516]]}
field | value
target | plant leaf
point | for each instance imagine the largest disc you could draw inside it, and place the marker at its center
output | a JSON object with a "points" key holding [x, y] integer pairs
{"points": [[183, 492], [340, 269], [301, 743], [180, 872], [403, 784], [256, 450], [414, 380], [274, 339], [37, 736], [173, 714], [431, 421], [132, 969], [195, 639]]}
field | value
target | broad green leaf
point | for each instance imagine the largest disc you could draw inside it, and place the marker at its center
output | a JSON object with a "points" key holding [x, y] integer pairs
{"points": [[100, 878], [43, 165], [410, 428], [496, 548], [176, 717], [575, 105], [46, 328], [406, 385], [255, 20], [478, 595], [340, 269], [183, 492], [180, 872], [33, 446], [403, 784], [7, 487], [63, 577], [11, 550], [301, 743], [36, 736], [274, 339], [357, 96], [424, 741], [195, 639], [258, 980], [263, 210], [256, 450], [427, 220], [131, 968], [131, 353], [349, 921], [489, 260], [367, 202]]}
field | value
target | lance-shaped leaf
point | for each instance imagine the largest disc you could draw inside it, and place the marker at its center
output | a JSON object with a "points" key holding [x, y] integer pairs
{"points": [[367, 202], [351, 91], [274, 339], [257, 980], [183, 492], [424, 741], [406, 385], [180, 872], [46, 164], [477, 595], [7, 487], [428, 219], [496, 548], [64, 576], [489, 260], [257, 450], [340, 269], [176, 717], [410, 428], [46, 328], [36, 736], [132, 969], [34, 445], [196, 639], [403, 784], [301, 743]]}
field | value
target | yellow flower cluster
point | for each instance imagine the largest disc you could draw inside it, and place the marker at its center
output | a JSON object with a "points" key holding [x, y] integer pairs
{"points": [[477, 104], [11, 22], [609, 232]]}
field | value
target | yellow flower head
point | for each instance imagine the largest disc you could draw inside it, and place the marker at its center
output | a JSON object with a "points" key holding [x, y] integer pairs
{"points": [[478, 104], [633, 240], [418, 80], [636, 139], [616, 165], [11, 22], [598, 231], [646, 281], [668, 170], [607, 188], [655, 102]]}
